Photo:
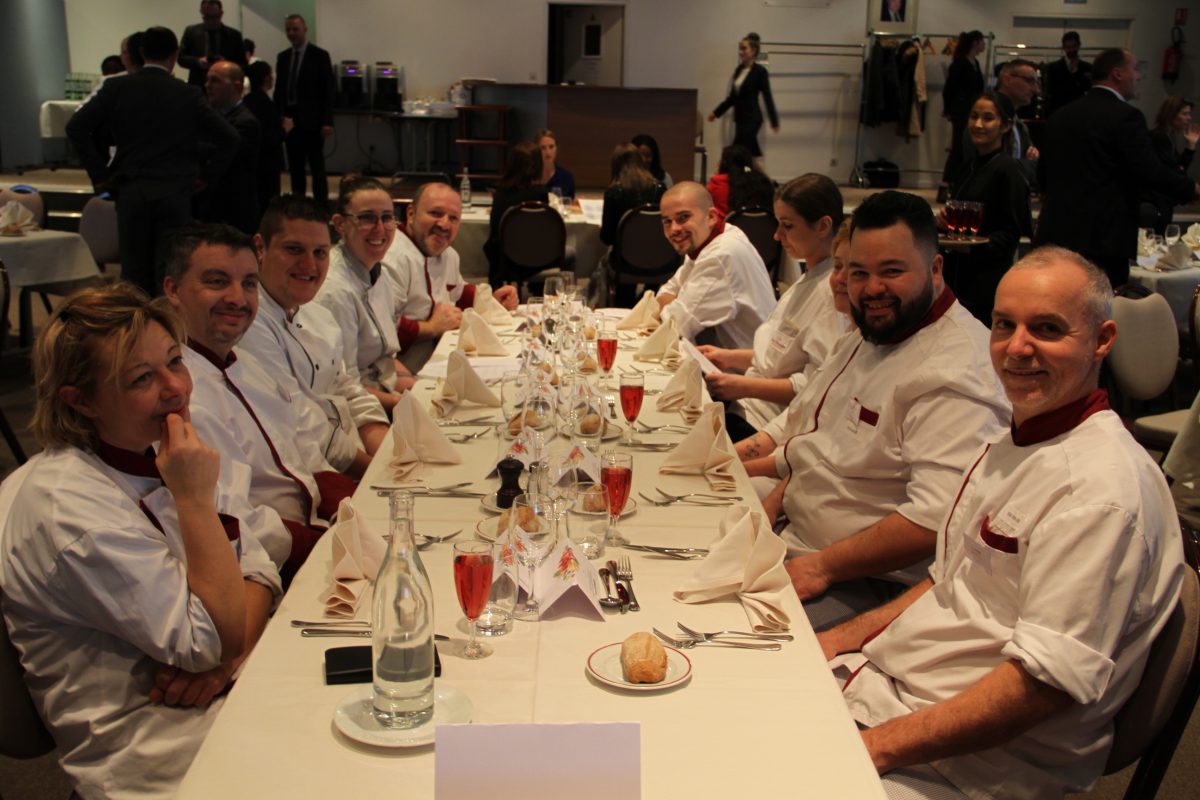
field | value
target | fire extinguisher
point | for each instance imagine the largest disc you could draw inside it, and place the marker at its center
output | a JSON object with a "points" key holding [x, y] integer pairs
{"points": [[1173, 56]]}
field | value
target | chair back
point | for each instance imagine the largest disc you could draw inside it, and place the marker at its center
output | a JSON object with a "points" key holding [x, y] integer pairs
{"points": [[1148, 727], [28, 197], [533, 238], [759, 225], [1194, 330], [22, 734], [98, 227], [641, 254], [1145, 355]]}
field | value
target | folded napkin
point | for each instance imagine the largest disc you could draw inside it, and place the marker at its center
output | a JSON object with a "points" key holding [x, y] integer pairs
{"points": [[1146, 245], [672, 358], [1178, 256], [684, 392], [416, 438], [476, 337], [747, 561], [1191, 237], [656, 346], [357, 556], [462, 384], [705, 451], [643, 315], [489, 307], [15, 218]]}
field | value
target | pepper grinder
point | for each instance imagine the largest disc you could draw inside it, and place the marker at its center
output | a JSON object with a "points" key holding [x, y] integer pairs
{"points": [[510, 470]]}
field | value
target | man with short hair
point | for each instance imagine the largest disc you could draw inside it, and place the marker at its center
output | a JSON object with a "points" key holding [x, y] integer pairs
{"points": [[234, 199], [1069, 77], [1058, 564], [289, 330], [887, 425], [157, 125], [304, 97], [1099, 163], [422, 266], [723, 289], [208, 42], [1018, 82], [237, 407]]}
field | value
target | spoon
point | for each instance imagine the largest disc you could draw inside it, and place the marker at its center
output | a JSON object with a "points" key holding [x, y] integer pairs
{"points": [[610, 601]]}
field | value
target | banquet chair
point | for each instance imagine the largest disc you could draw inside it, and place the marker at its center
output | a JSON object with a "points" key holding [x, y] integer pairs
{"points": [[27, 196], [641, 254], [1149, 726], [22, 734], [533, 243], [10, 436], [98, 227], [1145, 355], [759, 225], [1159, 431]]}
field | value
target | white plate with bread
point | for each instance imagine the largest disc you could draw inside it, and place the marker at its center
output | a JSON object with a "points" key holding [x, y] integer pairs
{"points": [[606, 665]]}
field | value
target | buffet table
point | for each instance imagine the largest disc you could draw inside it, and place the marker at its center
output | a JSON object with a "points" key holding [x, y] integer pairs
{"points": [[772, 723]]}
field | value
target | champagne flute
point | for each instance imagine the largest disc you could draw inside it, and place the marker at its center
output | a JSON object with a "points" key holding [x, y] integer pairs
{"points": [[616, 473], [606, 348], [534, 533], [473, 582], [633, 391]]}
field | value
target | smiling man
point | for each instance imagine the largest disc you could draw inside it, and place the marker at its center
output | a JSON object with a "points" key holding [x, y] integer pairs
{"points": [[1057, 565], [723, 285], [238, 408], [422, 267], [888, 423]]}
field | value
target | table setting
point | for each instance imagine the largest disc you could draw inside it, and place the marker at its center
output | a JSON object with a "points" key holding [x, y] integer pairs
{"points": [[560, 575]]}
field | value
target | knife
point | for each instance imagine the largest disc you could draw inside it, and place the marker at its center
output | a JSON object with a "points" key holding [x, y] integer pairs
{"points": [[622, 595]]}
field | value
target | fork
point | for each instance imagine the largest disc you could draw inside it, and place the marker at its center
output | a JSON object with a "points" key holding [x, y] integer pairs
{"points": [[670, 427], [459, 438], [708, 637], [625, 573], [672, 501], [688, 643], [730, 497]]}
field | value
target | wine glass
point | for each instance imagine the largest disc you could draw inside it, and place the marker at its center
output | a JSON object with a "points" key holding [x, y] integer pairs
{"points": [[473, 582], [616, 473], [1172, 234], [590, 508], [606, 347], [633, 391], [552, 290], [514, 387], [974, 217], [586, 415], [534, 531]]}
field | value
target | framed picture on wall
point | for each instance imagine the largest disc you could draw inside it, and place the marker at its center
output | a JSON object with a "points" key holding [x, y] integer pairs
{"points": [[892, 16]]}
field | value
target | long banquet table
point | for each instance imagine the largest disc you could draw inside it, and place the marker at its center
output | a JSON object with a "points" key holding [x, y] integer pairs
{"points": [[772, 723]]}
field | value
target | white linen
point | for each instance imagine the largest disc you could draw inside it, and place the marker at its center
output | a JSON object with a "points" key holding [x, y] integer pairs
{"points": [[416, 438], [17, 216], [684, 392], [365, 313], [488, 307], [462, 385], [726, 288], [1018, 557], [705, 451], [747, 562], [643, 316], [1191, 237], [1178, 256], [476, 337], [656, 345], [358, 552]]}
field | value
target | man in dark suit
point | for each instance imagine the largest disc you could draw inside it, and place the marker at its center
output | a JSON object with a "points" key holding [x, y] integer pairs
{"points": [[304, 97], [234, 198], [1097, 163], [157, 124], [208, 42], [1069, 77]]}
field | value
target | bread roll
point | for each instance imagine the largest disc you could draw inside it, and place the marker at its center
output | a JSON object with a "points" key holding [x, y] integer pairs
{"points": [[594, 499], [643, 659], [590, 424], [589, 332], [589, 365]]}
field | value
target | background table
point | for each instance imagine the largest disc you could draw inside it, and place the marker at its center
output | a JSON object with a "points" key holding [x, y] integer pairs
{"points": [[1176, 286], [771, 723], [44, 257], [582, 235]]}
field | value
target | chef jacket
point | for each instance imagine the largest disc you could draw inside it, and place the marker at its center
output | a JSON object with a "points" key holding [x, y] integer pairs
{"points": [[418, 283], [364, 308]]}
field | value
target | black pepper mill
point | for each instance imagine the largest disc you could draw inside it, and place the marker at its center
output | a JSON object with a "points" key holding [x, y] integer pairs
{"points": [[510, 470]]}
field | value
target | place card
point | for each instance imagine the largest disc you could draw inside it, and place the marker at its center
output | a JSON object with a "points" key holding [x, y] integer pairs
{"points": [[568, 585], [689, 349], [587, 760], [580, 460]]}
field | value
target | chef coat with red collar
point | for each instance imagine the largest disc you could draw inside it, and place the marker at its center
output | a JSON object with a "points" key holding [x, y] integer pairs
{"points": [[419, 282], [363, 306], [890, 428], [1062, 552]]}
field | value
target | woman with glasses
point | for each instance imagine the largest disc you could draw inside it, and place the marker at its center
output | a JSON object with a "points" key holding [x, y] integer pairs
{"points": [[362, 303]]}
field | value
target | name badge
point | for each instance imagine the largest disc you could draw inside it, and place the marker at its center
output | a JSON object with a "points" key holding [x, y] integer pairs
{"points": [[853, 415], [978, 552]]}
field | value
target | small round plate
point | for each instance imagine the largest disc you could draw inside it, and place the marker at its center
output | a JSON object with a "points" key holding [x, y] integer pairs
{"points": [[353, 718], [613, 431], [630, 507], [488, 529], [604, 664], [969, 241]]}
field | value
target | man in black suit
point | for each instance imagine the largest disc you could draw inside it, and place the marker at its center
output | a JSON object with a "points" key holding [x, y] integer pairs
{"points": [[1097, 163], [208, 42], [234, 198], [157, 124], [1069, 77], [304, 97]]}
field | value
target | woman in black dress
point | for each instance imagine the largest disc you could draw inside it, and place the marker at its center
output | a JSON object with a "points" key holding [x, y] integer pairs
{"points": [[1173, 124], [518, 184], [993, 178], [964, 82], [647, 146], [749, 81]]}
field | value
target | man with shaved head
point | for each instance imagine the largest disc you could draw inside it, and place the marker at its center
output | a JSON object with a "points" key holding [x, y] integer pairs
{"points": [[723, 290], [234, 199]]}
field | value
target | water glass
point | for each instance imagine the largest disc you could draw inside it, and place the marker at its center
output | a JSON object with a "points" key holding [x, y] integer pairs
{"points": [[1172, 234], [588, 518], [533, 527]]}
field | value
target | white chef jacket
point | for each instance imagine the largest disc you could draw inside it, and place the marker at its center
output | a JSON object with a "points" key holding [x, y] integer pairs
{"points": [[310, 345], [95, 598], [794, 340], [890, 428], [364, 308], [724, 285], [267, 435], [1072, 577]]}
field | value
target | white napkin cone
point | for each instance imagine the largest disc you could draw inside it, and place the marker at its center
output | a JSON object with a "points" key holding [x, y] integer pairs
{"points": [[357, 556], [475, 336], [1191, 237], [654, 347], [462, 384], [705, 451], [416, 438], [18, 216], [671, 357], [489, 307], [645, 314], [1178, 256], [747, 561], [684, 392]]}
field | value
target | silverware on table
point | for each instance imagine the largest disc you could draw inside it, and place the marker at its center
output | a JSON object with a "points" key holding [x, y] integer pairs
{"points": [[682, 553], [419, 488], [690, 501], [355, 633], [712, 635], [609, 600], [451, 422], [330, 623], [625, 575], [686, 643]]}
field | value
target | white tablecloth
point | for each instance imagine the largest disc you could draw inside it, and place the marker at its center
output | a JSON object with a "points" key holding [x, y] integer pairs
{"points": [[764, 724], [46, 257], [1177, 287], [53, 117]]}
